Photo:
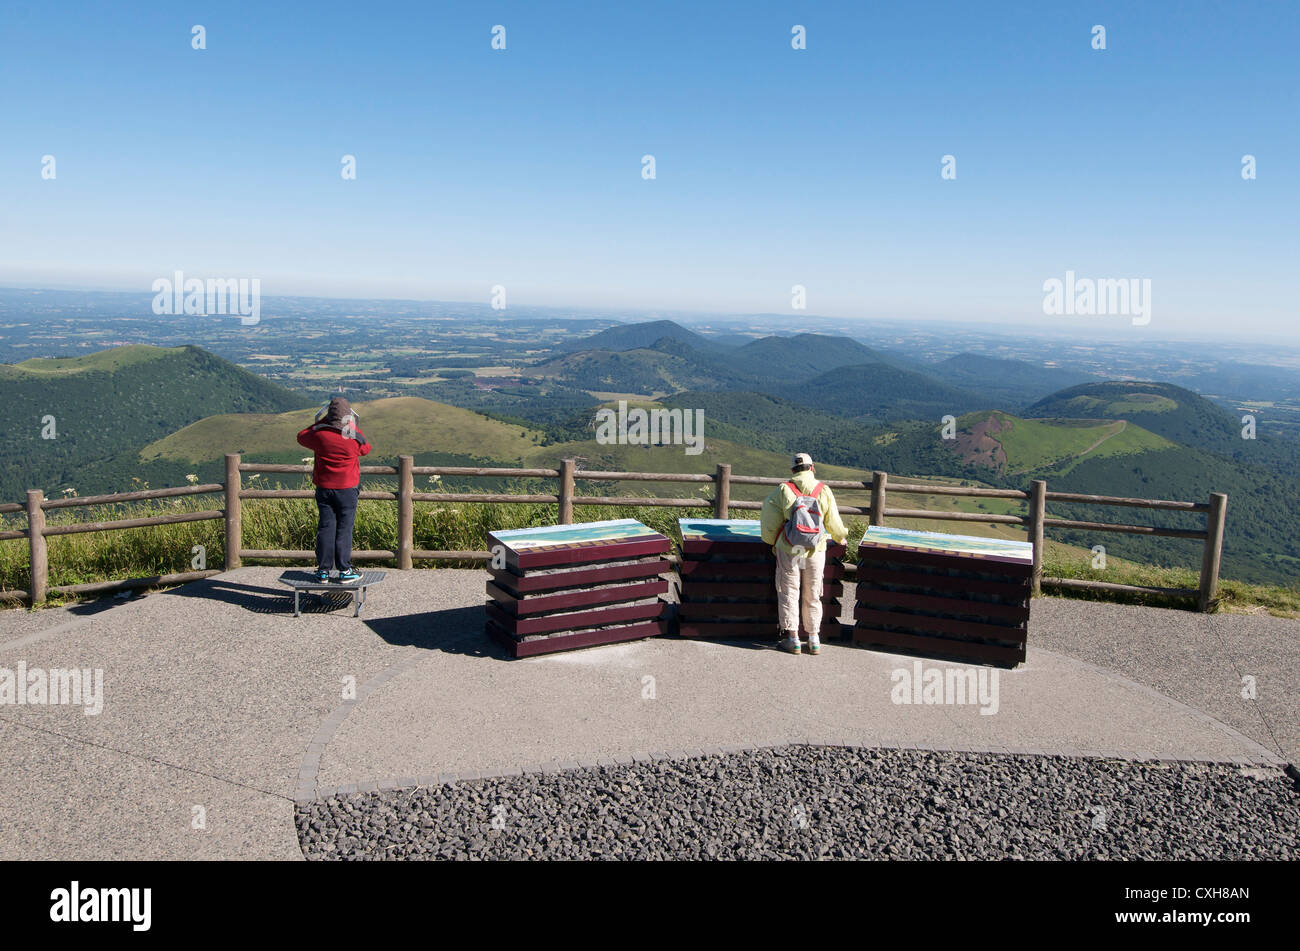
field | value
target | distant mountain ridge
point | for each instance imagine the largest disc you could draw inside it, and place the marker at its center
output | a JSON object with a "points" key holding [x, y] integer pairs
{"points": [[1013, 382], [638, 336]]}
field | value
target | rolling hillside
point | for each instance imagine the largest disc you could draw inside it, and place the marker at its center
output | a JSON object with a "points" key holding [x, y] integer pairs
{"points": [[423, 427], [136, 415], [1120, 458], [109, 404], [1029, 447], [644, 371], [1167, 410], [436, 433], [402, 424], [783, 365], [639, 335], [799, 357], [1181, 416], [878, 392], [1009, 384]]}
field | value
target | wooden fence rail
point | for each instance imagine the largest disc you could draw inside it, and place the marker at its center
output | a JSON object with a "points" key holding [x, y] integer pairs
{"points": [[1035, 520]]}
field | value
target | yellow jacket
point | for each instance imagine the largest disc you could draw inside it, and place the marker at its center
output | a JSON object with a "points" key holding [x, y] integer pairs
{"points": [[777, 507]]}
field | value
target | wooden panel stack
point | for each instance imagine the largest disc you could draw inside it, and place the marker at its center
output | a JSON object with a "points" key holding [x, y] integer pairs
{"points": [[568, 586], [728, 582], [946, 596]]}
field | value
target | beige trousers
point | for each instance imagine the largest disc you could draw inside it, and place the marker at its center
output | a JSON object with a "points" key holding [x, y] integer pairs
{"points": [[799, 590]]}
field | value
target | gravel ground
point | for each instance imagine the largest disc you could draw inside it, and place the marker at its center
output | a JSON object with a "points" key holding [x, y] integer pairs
{"points": [[806, 802]]}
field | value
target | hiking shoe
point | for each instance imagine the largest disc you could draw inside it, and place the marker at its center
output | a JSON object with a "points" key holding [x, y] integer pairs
{"points": [[814, 644], [790, 645], [348, 577], [322, 576]]}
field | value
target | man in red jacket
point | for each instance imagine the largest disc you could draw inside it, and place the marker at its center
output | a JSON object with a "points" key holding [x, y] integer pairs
{"points": [[339, 445]]}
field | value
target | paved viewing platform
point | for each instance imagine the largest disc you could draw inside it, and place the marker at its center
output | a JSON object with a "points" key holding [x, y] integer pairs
{"points": [[221, 709]]}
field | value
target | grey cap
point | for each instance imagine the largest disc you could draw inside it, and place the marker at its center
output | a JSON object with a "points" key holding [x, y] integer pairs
{"points": [[801, 459]]}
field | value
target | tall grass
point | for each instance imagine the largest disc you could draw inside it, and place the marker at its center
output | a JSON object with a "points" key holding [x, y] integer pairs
{"points": [[451, 526], [283, 524]]}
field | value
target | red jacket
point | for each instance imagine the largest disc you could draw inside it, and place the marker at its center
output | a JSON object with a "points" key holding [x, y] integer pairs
{"points": [[338, 457]]}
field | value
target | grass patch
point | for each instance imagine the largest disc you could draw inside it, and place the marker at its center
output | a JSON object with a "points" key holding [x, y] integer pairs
{"points": [[463, 526], [1233, 596]]}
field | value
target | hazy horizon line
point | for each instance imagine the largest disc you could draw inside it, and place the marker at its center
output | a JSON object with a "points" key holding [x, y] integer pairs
{"points": [[648, 314]]}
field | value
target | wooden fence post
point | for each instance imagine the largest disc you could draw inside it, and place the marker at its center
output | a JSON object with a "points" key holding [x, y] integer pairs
{"points": [[405, 511], [1037, 512], [234, 514], [36, 539], [878, 482], [567, 466], [722, 490], [1213, 554]]}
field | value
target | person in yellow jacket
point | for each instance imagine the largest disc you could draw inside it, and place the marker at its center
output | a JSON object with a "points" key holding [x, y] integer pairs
{"points": [[798, 518]]}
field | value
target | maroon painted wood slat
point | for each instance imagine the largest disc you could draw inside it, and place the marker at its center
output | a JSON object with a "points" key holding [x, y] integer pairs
{"points": [[883, 574], [587, 553], [577, 639], [901, 642], [553, 623], [978, 566], [875, 597], [588, 597], [535, 581], [922, 623]]}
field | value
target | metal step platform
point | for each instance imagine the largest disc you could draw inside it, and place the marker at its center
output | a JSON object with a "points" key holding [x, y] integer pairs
{"points": [[303, 580]]}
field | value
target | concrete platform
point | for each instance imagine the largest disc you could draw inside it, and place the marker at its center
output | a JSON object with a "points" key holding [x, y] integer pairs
{"points": [[215, 697]]}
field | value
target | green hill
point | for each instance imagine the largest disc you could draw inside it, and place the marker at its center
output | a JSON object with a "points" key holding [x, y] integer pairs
{"points": [[639, 335], [1260, 544], [1181, 416], [798, 357], [877, 392], [782, 425], [1029, 447], [107, 405], [643, 371], [401, 424], [1120, 458], [436, 433], [1167, 410], [1002, 382]]}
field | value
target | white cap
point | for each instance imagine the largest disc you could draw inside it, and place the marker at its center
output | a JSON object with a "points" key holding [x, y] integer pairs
{"points": [[801, 459]]}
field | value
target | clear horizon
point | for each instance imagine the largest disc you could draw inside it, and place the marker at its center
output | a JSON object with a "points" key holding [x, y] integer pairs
{"points": [[522, 167]]}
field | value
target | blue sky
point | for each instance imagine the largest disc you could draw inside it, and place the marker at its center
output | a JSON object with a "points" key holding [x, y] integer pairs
{"points": [[774, 167]]}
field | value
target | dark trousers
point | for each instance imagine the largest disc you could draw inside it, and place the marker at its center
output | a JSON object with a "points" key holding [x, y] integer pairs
{"points": [[338, 510]]}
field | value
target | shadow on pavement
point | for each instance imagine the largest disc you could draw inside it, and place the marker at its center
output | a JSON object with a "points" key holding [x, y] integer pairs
{"points": [[263, 600], [454, 631], [99, 605]]}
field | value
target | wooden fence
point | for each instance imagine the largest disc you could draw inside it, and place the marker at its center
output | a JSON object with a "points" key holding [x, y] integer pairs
{"points": [[1035, 521]]}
